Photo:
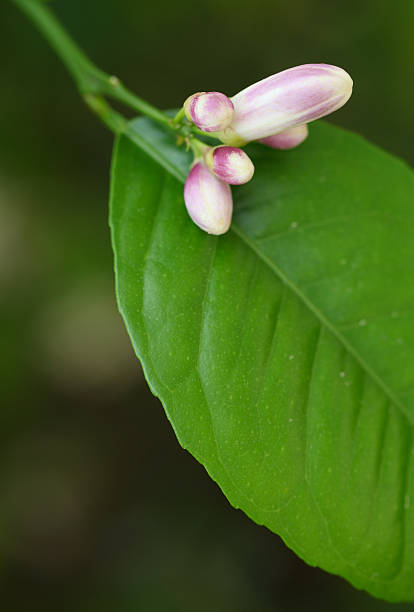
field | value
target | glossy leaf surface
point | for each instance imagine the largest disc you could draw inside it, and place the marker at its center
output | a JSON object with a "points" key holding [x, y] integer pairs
{"points": [[283, 352]]}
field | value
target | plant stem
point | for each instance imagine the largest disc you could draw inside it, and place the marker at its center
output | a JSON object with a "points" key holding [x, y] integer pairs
{"points": [[92, 82], [115, 121], [198, 147], [178, 117]]}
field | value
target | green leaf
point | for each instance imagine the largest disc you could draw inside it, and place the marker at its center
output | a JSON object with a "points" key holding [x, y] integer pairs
{"points": [[283, 352]]}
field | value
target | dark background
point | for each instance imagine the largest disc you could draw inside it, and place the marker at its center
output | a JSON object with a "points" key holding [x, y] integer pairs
{"points": [[100, 509]]}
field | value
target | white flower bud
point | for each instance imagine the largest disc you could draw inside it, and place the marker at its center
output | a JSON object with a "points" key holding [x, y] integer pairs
{"points": [[289, 139], [286, 99], [211, 111], [230, 164], [208, 200]]}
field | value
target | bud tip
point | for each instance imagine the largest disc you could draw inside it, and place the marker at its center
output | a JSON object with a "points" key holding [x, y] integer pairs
{"points": [[230, 164], [211, 111]]}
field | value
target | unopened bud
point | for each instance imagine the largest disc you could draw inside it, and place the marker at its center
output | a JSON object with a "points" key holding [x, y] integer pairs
{"points": [[208, 200], [230, 164], [211, 111], [289, 139], [292, 97]]}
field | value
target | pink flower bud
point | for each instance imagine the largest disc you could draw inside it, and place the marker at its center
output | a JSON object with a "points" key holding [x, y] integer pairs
{"points": [[289, 139], [292, 97], [208, 200], [211, 111], [230, 164]]}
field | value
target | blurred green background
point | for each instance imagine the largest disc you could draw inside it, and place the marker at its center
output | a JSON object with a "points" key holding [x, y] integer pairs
{"points": [[100, 509]]}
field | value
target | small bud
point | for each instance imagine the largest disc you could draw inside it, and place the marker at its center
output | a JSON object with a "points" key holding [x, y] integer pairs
{"points": [[230, 164], [211, 111], [292, 97], [289, 139], [208, 200]]}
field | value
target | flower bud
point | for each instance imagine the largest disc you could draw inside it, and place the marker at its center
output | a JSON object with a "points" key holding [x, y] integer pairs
{"points": [[208, 200], [292, 97], [230, 164], [211, 111], [289, 139]]}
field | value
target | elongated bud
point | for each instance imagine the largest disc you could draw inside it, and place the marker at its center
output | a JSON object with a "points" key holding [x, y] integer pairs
{"points": [[292, 97], [289, 139], [208, 200], [230, 164], [211, 111]]}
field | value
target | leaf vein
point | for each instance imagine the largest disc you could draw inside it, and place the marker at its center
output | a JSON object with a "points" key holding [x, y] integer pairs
{"points": [[321, 317]]}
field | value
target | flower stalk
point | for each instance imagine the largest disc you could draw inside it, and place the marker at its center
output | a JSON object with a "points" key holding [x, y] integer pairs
{"points": [[91, 80]]}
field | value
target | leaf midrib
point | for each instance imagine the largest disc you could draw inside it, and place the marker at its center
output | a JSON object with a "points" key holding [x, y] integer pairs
{"points": [[237, 231]]}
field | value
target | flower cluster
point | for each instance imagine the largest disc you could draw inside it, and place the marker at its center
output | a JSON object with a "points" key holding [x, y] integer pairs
{"points": [[274, 111]]}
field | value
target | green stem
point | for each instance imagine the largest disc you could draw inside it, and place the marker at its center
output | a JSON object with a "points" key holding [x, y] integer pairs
{"points": [[115, 121], [178, 117], [198, 147], [92, 82]]}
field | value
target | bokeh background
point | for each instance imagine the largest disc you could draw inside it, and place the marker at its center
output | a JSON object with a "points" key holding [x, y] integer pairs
{"points": [[100, 509]]}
